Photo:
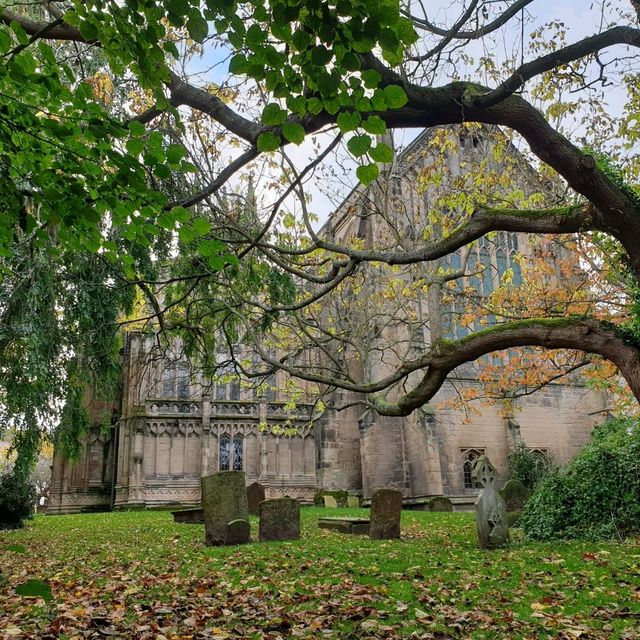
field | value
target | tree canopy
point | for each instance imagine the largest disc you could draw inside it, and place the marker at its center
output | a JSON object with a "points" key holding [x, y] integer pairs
{"points": [[156, 160]]}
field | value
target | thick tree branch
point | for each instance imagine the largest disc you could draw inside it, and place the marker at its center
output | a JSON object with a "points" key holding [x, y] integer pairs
{"points": [[482, 221], [588, 335], [58, 31]]}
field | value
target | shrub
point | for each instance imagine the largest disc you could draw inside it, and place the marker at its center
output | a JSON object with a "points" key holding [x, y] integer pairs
{"points": [[597, 495], [17, 500], [528, 466]]}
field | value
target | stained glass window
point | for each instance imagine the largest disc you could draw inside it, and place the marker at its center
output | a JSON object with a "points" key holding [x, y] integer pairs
{"points": [[238, 451], [225, 450]]}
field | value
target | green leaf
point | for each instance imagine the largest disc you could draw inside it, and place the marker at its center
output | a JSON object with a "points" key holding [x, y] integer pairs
{"points": [[5, 41], [135, 146], [320, 55], [20, 33], [359, 145], [175, 153], [201, 227], [238, 64], [268, 141], [367, 173], [395, 96], [300, 40], [197, 27], [375, 125], [406, 32], [348, 121], [371, 78], [35, 589], [137, 128], [88, 30], [314, 106], [16, 548], [381, 153], [273, 114], [293, 132], [186, 234], [210, 247]]}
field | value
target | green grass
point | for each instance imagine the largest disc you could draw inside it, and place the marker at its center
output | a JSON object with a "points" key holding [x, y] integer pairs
{"points": [[139, 575]]}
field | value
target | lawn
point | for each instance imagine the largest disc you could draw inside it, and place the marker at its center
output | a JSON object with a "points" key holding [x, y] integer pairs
{"points": [[139, 575]]}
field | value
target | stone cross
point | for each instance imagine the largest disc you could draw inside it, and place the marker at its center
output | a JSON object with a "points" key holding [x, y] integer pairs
{"points": [[386, 505], [491, 512], [279, 519], [224, 499], [255, 495]]}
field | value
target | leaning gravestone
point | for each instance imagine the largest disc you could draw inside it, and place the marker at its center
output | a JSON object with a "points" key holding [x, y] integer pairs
{"points": [[224, 499], [491, 512], [330, 502], [279, 519], [255, 495], [386, 505], [353, 501]]}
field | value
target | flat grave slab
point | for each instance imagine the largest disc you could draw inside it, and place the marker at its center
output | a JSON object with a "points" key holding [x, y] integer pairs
{"points": [[358, 526], [188, 516]]}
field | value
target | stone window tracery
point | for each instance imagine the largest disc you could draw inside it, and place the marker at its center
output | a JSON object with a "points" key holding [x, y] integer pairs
{"points": [[238, 452], [225, 452], [469, 459]]}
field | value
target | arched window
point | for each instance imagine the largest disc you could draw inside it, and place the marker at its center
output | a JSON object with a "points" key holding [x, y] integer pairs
{"points": [[469, 459], [238, 452], [225, 452]]}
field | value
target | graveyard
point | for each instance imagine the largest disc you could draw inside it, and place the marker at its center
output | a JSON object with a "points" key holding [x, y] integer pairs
{"points": [[141, 575]]}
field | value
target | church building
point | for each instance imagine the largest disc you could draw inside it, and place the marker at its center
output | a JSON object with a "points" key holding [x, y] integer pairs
{"points": [[171, 428]]}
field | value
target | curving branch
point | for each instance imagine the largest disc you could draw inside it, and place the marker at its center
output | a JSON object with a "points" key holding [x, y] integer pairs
{"points": [[502, 19], [482, 221], [585, 47], [582, 334]]}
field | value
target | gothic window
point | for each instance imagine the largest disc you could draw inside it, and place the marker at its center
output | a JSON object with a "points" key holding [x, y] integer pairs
{"points": [[238, 452], [175, 381], [227, 382], [469, 459], [225, 452]]}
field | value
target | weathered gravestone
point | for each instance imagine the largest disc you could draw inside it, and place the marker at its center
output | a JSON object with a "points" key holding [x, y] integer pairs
{"points": [[330, 502], [386, 505], [491, 513], [440, 504], [237, 532], [279, 519], [255, 495], [224, 499], [515, 494], [353, 501]]}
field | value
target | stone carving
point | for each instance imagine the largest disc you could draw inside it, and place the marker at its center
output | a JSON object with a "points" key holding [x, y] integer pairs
{"points": [[224, 499], [440, 503], [330, 502], [353, 501], [237, 532], [386, 505], [279, 519], [491, 513], [255, 495]]}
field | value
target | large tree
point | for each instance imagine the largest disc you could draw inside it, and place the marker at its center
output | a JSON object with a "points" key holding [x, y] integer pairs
{"points": [[127, 129]]}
